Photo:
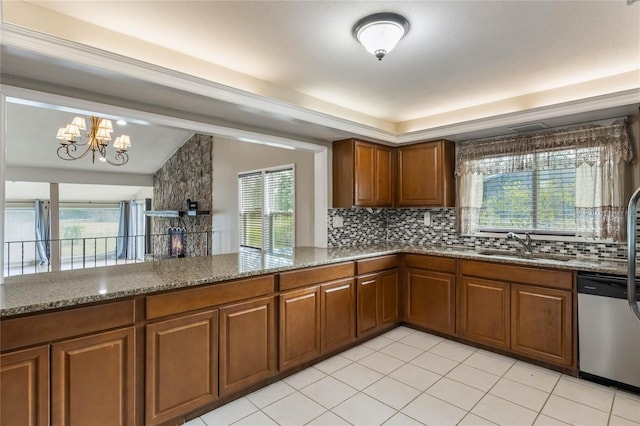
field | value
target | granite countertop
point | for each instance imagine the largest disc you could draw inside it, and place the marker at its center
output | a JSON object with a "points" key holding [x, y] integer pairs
{"points": [[52, 290]]}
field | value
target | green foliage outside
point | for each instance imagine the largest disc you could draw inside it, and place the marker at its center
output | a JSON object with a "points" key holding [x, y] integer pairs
{"points": [[508, 201], [276, 191]]}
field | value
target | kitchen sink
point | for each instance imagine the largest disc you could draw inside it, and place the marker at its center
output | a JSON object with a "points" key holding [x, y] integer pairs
{"points": [[522, 255]]}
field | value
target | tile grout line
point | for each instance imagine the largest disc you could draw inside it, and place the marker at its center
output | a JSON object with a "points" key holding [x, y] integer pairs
{"points": [[487, 393], [378, 350]]}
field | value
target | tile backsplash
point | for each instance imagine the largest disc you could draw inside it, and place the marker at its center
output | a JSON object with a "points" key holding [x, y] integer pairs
{"points": [[368, 226]]}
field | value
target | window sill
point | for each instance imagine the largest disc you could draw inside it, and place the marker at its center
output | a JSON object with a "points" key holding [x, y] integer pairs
{"points": [[541, 237]]}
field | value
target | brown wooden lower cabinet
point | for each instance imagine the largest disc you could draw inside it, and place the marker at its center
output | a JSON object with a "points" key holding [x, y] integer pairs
{"points": [[93, 380], [193, 359], [338, 315], [24, 387], [430, 300], [367, 298], [299, 326], [389, 297], [484, 314], [248, 352], [181, 365], [541, 323], [377, 301]]}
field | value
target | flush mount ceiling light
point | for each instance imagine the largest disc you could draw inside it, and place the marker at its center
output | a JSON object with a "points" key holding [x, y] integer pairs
{"points": [[98, 138], [379, 33]]}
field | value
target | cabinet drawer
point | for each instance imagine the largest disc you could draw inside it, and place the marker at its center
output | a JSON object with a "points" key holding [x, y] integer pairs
{"points": [[517, 274], [305, 277], [432, 263], [377, 264], [49, 327], [203, 297]]}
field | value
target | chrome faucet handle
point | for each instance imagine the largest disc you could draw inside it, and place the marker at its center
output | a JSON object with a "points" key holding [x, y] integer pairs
{"points": [[526, 242]]}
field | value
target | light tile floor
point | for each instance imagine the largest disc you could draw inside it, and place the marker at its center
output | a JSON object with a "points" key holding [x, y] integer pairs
{"points": [[406, 377]]}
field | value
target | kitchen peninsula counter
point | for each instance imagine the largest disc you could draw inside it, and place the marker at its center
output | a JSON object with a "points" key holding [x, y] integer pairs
{"points": [[46, 291]]}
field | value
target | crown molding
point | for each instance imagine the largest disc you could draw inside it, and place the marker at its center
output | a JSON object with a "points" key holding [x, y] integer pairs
{"points": [[627, 97]]}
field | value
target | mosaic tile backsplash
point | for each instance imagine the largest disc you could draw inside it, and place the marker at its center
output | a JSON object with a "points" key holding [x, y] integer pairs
{"points": [[368, 226]]}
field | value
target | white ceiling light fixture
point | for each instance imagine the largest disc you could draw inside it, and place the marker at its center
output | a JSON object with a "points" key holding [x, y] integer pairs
{"points": [[98, 138], [379, 33]]}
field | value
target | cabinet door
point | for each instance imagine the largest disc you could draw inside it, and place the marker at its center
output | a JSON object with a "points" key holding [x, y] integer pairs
{"points": [[364, 174], [367, 298], [541, 323], [93, 380], [338, 315], [425, 174], [484, 311], [24, 387], [430, 300], [388, 297], [384, 176], [247, 344], [182, 365], [299, 326]]}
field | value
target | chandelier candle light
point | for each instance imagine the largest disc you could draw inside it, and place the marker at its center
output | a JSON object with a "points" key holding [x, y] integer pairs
{"points": [[98, 138]]}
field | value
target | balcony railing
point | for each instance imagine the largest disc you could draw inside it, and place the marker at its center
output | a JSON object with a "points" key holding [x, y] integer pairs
{"points": [[21, 257]]}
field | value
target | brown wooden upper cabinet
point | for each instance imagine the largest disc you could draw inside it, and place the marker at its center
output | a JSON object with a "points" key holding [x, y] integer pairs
{"points": [[425, 175], [362, 174]]}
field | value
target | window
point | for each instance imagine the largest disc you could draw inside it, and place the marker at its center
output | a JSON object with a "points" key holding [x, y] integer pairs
{"points": [[266, 209], [19, 224], [19, 236], [562, 181], [540, 200], [88, 232]]}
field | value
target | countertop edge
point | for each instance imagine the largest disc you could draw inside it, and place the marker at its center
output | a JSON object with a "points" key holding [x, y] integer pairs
{"points": [[362, 252]]}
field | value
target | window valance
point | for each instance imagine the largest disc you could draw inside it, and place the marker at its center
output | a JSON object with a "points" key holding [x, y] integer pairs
{"points": [[594, 144]]}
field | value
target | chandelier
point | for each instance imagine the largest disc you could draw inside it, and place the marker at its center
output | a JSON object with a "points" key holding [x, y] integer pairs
{"points": [[97, 140]]}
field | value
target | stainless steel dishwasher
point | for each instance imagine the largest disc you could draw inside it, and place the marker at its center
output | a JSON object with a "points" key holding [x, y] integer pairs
{"points": [[608, 332]]}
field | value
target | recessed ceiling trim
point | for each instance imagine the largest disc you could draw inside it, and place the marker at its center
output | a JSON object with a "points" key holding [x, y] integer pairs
{"points": [[61, 49], [31, 41], [18, 94], [628, 97]]}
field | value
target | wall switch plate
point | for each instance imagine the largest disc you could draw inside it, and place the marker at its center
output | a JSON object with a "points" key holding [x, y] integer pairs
{"points": [[427, 218], [338, 222]]}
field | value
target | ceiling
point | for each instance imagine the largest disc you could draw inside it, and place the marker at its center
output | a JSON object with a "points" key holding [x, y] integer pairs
{"points": [[292, 68], [31, 141]]}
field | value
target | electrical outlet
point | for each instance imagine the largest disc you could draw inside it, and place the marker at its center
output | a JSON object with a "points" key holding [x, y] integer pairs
{"points": [[427, 218], [338, 222]]}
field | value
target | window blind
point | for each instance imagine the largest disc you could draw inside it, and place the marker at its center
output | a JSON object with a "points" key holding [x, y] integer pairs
{"points": [[279, 203], [266, 207], [540, 198], [250, 197]]}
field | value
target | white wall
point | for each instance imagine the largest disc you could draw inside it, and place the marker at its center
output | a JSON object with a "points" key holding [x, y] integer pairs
{"points": [[231, 157]]}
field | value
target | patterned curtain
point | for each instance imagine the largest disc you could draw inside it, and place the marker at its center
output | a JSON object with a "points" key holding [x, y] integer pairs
{"points": [[599, 157]]}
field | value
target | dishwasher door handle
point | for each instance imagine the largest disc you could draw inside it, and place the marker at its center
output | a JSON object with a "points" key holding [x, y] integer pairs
{"points": [[631, 253]]}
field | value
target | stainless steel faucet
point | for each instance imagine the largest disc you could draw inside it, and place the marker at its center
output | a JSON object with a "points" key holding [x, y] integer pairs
{"points": [[526, 242]]}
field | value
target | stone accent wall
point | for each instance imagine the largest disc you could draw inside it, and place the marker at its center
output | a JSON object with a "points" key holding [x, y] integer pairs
{"points": [[186, 175], [365, 226]]}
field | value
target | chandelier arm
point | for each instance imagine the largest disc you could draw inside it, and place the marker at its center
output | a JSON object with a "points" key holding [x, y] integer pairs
{"points": [[85, 143], [68, 149], [123, 157]]}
